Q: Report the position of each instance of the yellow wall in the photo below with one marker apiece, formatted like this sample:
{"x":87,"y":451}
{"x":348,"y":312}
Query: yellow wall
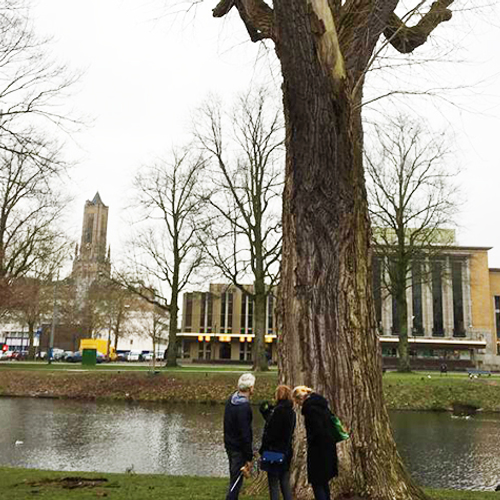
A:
{"x":480,"y":292}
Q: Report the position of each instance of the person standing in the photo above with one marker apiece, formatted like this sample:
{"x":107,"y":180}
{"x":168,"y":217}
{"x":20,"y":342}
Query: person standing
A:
{"x":321,"y":445}
{"x":238,"y":434}
{"x":278,"y":437}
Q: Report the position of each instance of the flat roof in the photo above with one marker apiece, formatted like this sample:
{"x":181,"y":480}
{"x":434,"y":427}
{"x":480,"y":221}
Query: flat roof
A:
{"x":458,"y":342}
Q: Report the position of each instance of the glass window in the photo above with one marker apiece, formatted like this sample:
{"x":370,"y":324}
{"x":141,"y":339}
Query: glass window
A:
{"x":497,"y":314}
{"x":188,"y":312}
{"x":458,"y":303}
{"x":437,"y":299}
{"x":377,"y":290}
{"x":270,"y":309}
{"x":416,"y":277}
{"x":225,"y":350}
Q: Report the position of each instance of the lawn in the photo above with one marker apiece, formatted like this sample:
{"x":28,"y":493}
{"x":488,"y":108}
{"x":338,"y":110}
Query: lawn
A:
{"x":212,"y":384}
{"x":24,"y":484}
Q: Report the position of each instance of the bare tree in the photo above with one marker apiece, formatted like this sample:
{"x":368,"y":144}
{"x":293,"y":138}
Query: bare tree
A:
{"x":329,"y":337}
{"x":412,"y":201}
{"x":243,"y":237}
{"x":31,"y":209}
{"x":32,"y":301}
{"x":32,"y":294}
{"x":152,"y":321}
{"x":166,"y":251}
{"x":32,"y":86}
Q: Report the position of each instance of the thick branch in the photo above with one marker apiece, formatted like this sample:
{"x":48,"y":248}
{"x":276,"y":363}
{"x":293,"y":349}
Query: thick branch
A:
{"x":406,"y":39}
{"x":256,"y":14}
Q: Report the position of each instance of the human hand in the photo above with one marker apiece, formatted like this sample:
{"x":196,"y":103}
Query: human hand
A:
{"x":247,"y":469}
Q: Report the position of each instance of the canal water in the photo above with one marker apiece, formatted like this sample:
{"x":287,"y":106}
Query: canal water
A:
{"x":440,"y":451}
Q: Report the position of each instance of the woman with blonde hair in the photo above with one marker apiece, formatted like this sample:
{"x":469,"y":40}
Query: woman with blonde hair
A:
{"x":321,"y":444}
{"x":277,"y":438}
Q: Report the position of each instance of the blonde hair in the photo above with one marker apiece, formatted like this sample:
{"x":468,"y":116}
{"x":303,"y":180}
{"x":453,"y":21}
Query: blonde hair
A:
{"x":283,"y":392}
{"x":301,"y":392}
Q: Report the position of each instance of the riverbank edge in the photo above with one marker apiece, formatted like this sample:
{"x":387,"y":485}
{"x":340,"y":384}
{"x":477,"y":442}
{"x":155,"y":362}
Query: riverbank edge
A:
{"x":23,"y":484}
{"x":408,"y":392}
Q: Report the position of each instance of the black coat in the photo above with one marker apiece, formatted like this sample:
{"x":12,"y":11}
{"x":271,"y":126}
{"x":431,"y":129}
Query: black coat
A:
{"x":278,"y":431}
{"x":238,"y":426}
{"x":321,"y":446}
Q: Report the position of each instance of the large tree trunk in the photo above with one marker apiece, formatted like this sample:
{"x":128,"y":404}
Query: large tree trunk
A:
{"x":31,"y":338}
{"x":259,"y":351}
{"x":172,"y":333}
{"x":402,"y":305}
{"x":329,"y":338}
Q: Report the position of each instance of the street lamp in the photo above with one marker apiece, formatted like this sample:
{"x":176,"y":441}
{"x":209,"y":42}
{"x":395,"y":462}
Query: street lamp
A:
{"x":53,"y":325}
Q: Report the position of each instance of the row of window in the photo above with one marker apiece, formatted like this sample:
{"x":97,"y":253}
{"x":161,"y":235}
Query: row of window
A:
{"x":226,"y":313}
{"x":435,"y":279}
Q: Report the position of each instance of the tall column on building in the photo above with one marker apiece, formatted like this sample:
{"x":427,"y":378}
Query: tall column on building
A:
{"x":386,"y":303}
{"x":92,"y":259}
{"x":447,"y":299}
{"x":427,"y":310}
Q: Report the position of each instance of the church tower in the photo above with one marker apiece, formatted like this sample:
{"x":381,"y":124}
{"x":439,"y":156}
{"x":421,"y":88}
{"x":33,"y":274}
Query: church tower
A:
{"x":91,"y":259}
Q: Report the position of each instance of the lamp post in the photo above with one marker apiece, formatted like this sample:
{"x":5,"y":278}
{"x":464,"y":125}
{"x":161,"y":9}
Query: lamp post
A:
{"x":53,"y":325}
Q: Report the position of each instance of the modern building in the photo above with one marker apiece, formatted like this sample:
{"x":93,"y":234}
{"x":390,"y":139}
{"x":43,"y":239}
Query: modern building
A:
{"x":218,"y":325}
{"x":453,"y":316}
{"x":450,"y":311}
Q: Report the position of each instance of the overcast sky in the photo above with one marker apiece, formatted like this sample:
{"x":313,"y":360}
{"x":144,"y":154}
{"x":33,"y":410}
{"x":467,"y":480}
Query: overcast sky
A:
{"x":146,"y":70}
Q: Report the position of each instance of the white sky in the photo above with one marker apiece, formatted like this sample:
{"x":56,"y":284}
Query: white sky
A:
{"x":145,"y":76}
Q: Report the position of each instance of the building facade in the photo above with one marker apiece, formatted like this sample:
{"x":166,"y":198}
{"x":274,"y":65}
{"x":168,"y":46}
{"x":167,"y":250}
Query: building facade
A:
{"x":218,"y":325}
{"x":453,"y":316}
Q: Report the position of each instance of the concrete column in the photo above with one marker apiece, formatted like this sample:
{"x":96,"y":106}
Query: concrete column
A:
{"x":409,"y":302}
{"x":386,"y":303}
{"x":447,"y":299}
{"x":427,"y":312}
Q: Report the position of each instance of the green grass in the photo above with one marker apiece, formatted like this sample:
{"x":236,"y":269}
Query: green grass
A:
{"x":26,"y":484}
{"x":432,"y":391}
{"x":43,"y":365}
{"x":212,"y":384}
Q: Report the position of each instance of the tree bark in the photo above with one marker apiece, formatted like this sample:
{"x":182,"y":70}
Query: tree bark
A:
{"x":400,"y":292}
{"x":259,"y":351}
{"x":31,"y":338}
{"x":172,"y":332}
{"x":329,"y":339}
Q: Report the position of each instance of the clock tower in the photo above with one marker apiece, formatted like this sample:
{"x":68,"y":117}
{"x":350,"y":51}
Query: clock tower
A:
{"x":92,"y":259}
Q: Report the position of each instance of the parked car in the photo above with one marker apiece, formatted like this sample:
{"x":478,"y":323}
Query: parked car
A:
{"x":5,"y":355}
{"x":67,"y":354}
{"x":74,"y":357}
{"x":134,"y":356}
{"x":121,"y":356}
{"x":20,"y":355}
{"x":57,"y":354}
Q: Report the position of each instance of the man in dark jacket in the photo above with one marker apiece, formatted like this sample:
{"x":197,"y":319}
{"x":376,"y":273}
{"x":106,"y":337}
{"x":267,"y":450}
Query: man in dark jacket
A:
{"x":238,"y":434}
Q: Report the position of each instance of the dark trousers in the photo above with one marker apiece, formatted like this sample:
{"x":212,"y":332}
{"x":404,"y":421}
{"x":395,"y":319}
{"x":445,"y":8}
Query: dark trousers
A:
{"x":236,"y":462}
{"x":277,"y":482}
{"x":321,"y":491}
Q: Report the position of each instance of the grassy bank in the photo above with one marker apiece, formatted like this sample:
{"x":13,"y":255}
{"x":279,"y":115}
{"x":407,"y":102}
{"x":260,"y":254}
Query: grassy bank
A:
{"x":24,"y":484}
{"x":416,"y":391}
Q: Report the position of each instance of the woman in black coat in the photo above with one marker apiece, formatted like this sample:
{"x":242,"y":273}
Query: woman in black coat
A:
{"x":278,"y":436}
{"x":321,"y":445}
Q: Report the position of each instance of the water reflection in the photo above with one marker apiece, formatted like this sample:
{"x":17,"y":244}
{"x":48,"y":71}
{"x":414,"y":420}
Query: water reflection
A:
{"x":443,"y":451}
{"x":439,"y":450}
